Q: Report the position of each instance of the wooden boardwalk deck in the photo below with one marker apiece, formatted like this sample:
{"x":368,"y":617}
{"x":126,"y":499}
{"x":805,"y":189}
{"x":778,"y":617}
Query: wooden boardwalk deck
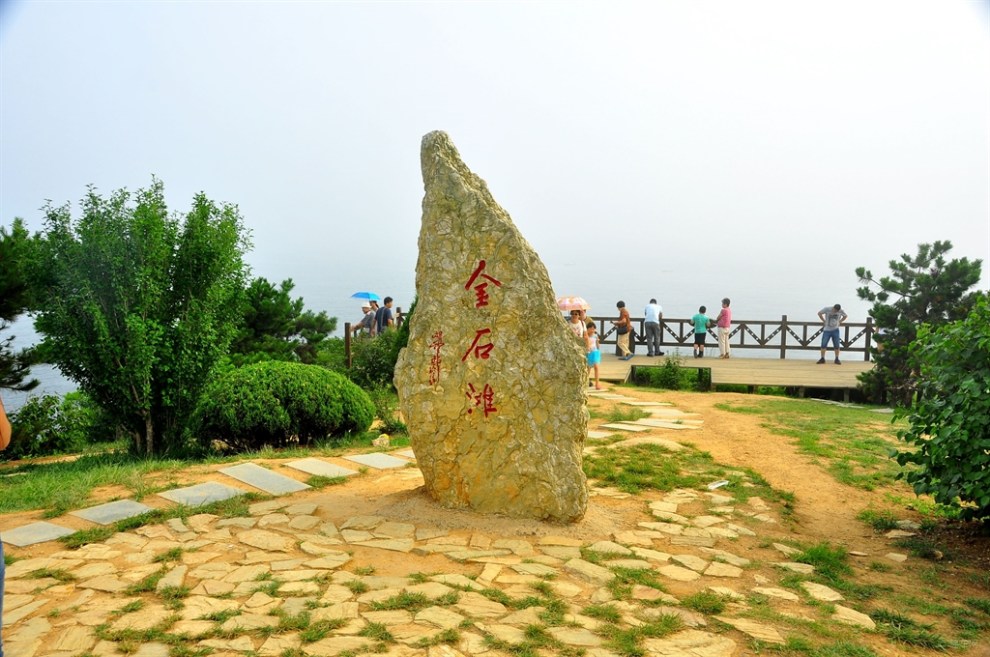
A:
{"x":793,"y":373}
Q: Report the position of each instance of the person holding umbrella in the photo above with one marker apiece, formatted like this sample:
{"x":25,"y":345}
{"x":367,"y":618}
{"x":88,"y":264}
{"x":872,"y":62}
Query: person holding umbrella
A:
{"x":367,"y":321}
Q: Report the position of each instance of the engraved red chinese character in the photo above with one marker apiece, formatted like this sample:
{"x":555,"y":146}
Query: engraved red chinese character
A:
{"x":485,"y":398}
{"x":436,"y":342}
{"x":481,"y":289}
{"x":480,"y":350}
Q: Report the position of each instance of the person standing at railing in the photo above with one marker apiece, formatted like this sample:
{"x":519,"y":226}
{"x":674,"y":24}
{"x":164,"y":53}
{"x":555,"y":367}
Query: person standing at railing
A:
{"x":702,"y":323}
{"x":833,"y":318}
{"x":652,"y":316}
{"x":622,"y":329}
{"x":724,"y":322}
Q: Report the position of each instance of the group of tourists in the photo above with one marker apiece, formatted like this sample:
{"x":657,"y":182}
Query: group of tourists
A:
{"x":831,"y":316}
{"x":376,"y":319}
{"x":653,"y":314}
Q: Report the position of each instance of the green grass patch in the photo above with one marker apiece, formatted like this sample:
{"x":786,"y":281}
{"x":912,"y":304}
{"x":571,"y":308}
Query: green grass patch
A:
{"x":321,"y":629}
{"x":902,"y":629}
{"x":56,"y":574}
{"x":175,"y":554}
{"x":409,"y":601}
{"x":630,"y":414}
{"x":980,"y":604}
{"x":706,"y":602}
{"x":851,"y":444}
{"x":640,"y":467}
{"x":61,"y":486}
{"x":829,"y":562}
{"x":605,"y":612}
{"x":629,"y":641}
{"x":881,"y":521}
{"x":378,"y":632}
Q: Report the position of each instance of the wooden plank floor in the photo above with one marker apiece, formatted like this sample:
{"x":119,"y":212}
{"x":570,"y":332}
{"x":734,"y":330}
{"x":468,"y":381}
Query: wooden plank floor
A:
{"x":751,"y":371}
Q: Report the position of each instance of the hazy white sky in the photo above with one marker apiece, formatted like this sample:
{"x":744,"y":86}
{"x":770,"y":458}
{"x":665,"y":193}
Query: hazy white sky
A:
{"x":683,"y":150}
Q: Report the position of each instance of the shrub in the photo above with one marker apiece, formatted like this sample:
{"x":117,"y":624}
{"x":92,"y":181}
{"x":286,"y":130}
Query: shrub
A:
{"x":672,"y":375}
{"x":48,"y":425}
{"x":276,"y":403}
{"x":950,"y":420}
{"x":386,"y":408}
{"x":373,"y":361}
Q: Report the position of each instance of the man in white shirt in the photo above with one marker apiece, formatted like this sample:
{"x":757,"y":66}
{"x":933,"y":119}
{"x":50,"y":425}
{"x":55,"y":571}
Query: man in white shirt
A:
{"x":652,"y":315}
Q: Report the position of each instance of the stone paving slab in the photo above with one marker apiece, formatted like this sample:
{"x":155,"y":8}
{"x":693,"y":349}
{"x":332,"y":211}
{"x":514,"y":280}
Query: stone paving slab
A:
{"x":664,"y":424}
{"x":625,"y":427}
{"x":611,"y":397}
{"x":321,"y":468}
{"x":598,"y":435}
{"x":111,"y":512}
{"x":264,"y":479}
{"x":36,"y":532}
{"x":201,"y":494}
{"x":378,"y":460}
{"x":409,"y":454}
{"x":646,"y":403}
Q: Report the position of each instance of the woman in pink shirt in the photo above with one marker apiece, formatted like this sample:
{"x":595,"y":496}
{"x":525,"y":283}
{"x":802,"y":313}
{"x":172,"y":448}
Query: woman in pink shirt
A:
{"x":723,"y":321}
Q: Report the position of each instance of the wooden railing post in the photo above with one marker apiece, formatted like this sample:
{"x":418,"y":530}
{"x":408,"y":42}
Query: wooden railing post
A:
{"x":783,"y":337}
{"x":347,"y":344}
{"x":869,"y":336}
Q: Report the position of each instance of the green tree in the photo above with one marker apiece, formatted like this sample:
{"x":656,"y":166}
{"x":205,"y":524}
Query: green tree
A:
{"x":15,"y":367}
{"x":275,"y":326}
{"x":922,"y":289}
{"x":137,"y":306}
{"x":950,"y":423}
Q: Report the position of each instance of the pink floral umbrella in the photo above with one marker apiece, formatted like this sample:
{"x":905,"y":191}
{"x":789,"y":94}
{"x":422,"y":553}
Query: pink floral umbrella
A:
{"x":573,"y":303}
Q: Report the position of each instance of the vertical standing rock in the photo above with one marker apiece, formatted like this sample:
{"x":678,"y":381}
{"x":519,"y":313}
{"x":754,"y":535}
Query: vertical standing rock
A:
{"x":492,"y":381}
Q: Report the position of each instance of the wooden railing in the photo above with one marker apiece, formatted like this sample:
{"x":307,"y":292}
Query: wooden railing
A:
{"x":781,"y":335}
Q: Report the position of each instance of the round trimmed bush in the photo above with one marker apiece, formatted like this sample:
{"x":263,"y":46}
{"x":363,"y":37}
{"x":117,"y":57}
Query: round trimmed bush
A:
{"x":278,"y":403}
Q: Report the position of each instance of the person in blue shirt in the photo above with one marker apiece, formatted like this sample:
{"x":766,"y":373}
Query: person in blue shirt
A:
{"x":701,"y":323}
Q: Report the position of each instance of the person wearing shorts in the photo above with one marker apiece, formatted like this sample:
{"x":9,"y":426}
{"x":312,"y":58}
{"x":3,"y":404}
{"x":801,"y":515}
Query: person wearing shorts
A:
{"x":701,"y":322}
{"x":832,"y":319}
{"x":594,"y":351}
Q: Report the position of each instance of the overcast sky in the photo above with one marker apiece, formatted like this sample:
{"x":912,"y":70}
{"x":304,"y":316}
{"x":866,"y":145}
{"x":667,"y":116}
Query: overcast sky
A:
{"x":683,"y":150}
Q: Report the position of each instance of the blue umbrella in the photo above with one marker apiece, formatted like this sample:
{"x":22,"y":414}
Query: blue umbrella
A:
{"x":370,"y":296}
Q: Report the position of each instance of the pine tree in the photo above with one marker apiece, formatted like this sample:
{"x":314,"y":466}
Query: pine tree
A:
{"x":922,"y":289}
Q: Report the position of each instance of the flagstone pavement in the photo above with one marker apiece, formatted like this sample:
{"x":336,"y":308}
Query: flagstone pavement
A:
{"x":233,"y":586}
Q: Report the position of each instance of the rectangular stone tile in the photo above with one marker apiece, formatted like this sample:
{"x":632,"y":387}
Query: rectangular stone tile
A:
{"x":645,"y":403}
{"x":111,"y":512}
{"x":598,"y":435}
{"x":621,"y":426}
{"x":321,"y":468}
{"x":378,"y":460}
{"x":409,"y":454}
{"x":665,"y":424}
{"x":201,"y":494}
{"x":264,"y":479}
{"x":36,"y":532}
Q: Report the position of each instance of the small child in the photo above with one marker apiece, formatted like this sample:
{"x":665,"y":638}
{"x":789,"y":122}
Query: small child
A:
{"x":594,"y":353}
{"x":701,"y":323}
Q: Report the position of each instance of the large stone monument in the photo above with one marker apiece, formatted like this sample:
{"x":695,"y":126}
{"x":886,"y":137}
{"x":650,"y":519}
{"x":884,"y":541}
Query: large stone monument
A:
{"x":492,"y":381}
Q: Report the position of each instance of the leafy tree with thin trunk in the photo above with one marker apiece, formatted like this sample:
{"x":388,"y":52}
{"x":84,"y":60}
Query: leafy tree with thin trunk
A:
{"x":15,"y":367}
{"x":922,"y":289}
{"x":949,"y":425}
{"x":137,"y":306}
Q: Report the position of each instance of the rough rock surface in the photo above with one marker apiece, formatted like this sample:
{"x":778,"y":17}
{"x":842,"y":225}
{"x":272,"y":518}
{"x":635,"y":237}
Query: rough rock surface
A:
{"x":492,"y":382}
